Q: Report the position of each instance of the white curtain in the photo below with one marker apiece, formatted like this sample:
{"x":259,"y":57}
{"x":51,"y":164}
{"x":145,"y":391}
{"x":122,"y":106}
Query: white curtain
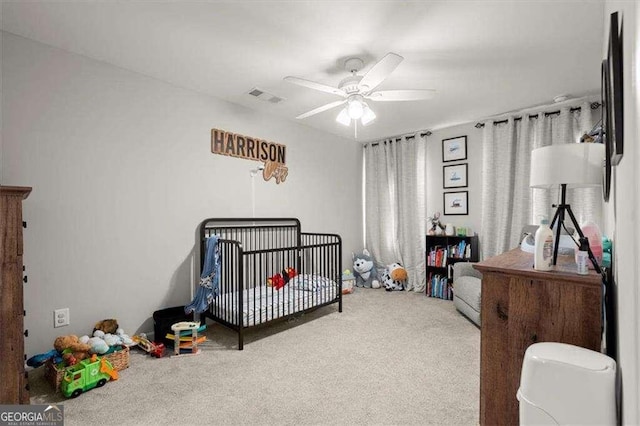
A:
{"x":507,"y":201}
{"x":395,"y":204}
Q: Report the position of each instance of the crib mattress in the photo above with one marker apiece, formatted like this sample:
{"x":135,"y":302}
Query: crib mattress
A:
{"x":263,"y":303}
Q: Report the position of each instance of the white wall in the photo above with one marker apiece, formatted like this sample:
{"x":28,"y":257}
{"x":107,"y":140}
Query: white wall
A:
{"x":622,"y":214}
{"x":434,"y":201}
{"x":122,"y":174}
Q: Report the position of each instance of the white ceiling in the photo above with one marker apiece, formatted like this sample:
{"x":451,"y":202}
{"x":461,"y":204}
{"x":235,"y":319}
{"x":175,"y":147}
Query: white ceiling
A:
{"x":482,"y":57}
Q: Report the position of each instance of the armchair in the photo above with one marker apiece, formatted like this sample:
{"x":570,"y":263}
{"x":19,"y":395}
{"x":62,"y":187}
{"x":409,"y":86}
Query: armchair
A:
{"x":466,"y":290}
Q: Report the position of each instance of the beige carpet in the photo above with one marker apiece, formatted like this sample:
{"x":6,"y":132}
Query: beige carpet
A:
{"x":388,"y":358}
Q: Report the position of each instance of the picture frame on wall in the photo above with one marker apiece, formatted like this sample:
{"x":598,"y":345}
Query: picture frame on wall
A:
{"x":455,"y":176}
{"x":604,"y":111}
{"x":456,"y":203}
{"x":614,"y":101}
{"x":454,"y":149}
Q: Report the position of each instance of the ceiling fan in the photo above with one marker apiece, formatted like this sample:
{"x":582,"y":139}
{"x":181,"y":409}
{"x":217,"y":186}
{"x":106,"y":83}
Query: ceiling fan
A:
{"x":355,"y":89}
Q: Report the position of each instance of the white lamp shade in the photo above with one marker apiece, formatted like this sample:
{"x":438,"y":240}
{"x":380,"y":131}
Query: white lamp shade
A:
{"x":343,"y":118}
{"x":355,"y":109}
{"x":573,"y":164}
{"x":368,"y":115}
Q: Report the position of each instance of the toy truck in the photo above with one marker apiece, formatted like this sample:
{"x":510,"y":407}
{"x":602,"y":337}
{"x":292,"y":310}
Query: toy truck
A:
{"x":87,"y":374}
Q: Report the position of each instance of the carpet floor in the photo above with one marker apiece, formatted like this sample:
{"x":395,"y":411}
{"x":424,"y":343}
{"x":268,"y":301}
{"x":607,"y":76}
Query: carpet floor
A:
{"x":390,"y":358}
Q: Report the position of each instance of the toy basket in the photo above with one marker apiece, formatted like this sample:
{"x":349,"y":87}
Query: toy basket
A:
{"x":118,"y":359}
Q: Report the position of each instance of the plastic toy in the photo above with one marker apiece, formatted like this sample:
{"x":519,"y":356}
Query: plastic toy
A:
{"x":87,"y":374}
{"x":154,"y":349}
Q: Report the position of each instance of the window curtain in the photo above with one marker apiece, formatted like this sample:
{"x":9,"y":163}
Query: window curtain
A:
{"x":507,"y":201}
{"x":395,"y":205}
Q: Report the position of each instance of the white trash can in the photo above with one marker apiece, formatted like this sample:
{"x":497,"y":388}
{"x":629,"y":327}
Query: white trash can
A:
{"x":563,"y":384}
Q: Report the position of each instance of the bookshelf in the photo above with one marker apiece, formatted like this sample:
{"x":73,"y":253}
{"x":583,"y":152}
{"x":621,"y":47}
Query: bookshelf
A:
{"x":442,"y":252}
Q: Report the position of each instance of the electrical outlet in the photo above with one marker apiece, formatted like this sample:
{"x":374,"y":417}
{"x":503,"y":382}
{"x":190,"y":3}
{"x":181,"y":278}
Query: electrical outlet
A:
{"x":61,"y":317}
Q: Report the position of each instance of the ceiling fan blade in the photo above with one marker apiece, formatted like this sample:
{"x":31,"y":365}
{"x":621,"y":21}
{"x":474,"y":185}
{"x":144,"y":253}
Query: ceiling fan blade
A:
{"x":380,"y":71}
{"x":320,"y":109}
{"x":401,"y":95}
{"x":316,"y":86}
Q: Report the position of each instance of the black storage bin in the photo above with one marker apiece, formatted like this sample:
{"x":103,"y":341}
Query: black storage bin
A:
{"x":164,"y":319}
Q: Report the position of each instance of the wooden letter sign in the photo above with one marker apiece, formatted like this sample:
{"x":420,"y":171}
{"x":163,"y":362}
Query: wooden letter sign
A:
{"x":273,"y":155}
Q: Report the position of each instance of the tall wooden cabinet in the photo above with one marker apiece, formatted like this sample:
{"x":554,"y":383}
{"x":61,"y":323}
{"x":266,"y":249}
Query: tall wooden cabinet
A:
{"x":521,"y":306}
{"x":14,"y":388}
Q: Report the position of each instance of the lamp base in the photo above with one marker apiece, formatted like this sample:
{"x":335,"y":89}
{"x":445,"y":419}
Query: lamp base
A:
{"x":563,"y":208}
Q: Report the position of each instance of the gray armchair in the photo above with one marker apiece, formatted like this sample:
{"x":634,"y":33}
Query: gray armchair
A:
{"x":466,"y":290}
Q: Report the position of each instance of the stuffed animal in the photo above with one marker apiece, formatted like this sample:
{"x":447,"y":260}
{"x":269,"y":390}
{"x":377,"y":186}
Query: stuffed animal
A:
{"x":108,"y":326}
{"x":436,"y":227}
{"x":394,"y":277}
{"x":365,"y":271}
{"x":71,"y":348}
{"x":280,"y":280}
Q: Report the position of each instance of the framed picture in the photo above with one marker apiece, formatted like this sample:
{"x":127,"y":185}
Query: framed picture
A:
{"x":456,"y":203}
{"x":604,"y":111}
{"x":454,"y":176}
{"x":454,"y":149}
{"x":614,"y":101}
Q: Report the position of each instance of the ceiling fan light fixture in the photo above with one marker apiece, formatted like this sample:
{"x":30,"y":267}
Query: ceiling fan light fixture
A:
{"x":343,"y":118}
{"x":355,"y":108}
{"x":368,"y":116}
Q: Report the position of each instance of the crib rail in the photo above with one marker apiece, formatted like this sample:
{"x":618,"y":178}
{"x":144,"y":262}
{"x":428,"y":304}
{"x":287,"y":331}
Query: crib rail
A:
{"x":252,"y":251}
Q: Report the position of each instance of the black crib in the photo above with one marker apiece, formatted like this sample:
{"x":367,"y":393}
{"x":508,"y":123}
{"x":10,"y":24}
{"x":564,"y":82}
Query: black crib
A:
{"x":252,"y":251}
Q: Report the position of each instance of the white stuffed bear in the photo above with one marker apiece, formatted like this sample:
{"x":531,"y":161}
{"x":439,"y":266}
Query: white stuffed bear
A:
{"x":394,"y":277}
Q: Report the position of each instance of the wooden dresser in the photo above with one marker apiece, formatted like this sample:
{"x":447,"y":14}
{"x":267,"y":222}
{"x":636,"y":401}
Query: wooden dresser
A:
{"x":14,"y":388}
{"x":521,"y":306}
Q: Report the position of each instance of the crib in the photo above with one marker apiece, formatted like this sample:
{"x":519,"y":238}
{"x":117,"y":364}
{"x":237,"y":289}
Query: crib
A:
{"x":252,"y":251}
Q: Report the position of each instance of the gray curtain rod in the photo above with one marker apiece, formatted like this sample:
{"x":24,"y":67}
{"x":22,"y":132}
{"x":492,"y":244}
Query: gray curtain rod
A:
{"x":399,"y":138}
{"x":594,"y":105}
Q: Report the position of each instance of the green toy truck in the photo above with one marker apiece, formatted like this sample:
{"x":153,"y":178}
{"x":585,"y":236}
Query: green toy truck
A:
{"x":87,"y":374}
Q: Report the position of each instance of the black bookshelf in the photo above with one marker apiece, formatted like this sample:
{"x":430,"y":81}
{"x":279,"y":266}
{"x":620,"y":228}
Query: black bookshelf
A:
{"x":442,"y":252}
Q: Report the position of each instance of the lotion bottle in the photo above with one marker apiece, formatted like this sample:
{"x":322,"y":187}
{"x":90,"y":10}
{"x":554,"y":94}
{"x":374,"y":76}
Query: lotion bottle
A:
{"x":543,"y":255}
{"x":582,"y":256}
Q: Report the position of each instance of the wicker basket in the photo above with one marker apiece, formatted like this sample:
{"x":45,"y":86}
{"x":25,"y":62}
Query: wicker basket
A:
{"x":53,"y":374}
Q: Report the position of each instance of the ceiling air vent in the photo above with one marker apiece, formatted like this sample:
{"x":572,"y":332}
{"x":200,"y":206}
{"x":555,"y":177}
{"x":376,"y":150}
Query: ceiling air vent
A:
{"x":265,"y":96}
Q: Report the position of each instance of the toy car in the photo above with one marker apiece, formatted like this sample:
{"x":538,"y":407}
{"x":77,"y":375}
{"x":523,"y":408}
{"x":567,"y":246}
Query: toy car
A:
{"x":154,"y":349}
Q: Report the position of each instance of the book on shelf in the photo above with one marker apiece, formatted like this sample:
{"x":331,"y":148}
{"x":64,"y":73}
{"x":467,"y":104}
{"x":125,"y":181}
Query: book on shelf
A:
{"x":438,"y":286}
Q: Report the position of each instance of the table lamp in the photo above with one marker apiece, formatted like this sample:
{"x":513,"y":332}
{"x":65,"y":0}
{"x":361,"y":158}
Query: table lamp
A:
{"x":573,"y":165}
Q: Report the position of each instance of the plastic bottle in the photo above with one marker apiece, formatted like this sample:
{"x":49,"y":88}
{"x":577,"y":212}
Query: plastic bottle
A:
{"x":582,"y":256}
{"x":592,"y":232}
{"x":543,"y":254}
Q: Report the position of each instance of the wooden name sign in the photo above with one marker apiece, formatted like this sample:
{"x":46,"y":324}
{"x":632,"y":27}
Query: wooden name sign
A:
{"x":273,"y":155}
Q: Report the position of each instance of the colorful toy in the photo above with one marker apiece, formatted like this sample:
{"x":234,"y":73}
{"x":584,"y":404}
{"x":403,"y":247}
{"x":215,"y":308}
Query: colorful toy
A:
{"x":87,"y":374}
{"x":280,"y":280}
{"x":348,"y":281}
{"x":39,"y":359}
{"x":154,"y":349}
{"x":187,"y":329}
{"x":394,"y":277}
{"x":364,"y":270}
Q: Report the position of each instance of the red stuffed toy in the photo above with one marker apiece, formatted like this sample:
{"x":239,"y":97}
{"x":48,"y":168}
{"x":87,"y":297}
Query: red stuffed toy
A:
{"x":280,"y":280}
